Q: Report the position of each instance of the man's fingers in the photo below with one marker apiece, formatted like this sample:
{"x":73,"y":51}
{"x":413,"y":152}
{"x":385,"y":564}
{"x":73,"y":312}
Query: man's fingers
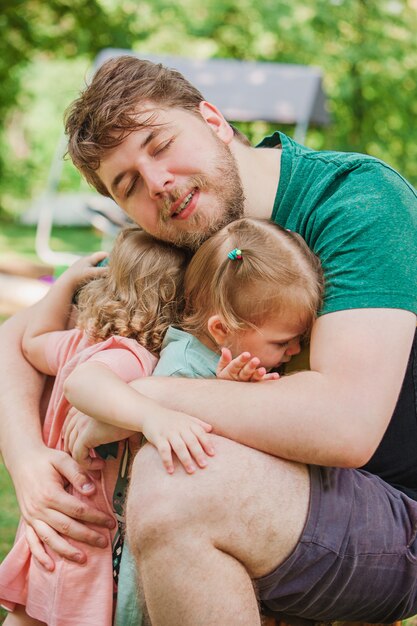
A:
{"x":73,"y":509}
{"x":49,"y":537}
{"x":96,"y":257}
{"x":37,"y":549}
{"x":80,"y":480}
{"x":77,"y":530}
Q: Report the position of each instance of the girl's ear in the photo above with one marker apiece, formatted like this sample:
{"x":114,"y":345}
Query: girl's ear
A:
{"x":215,"y":119}
{"x":218,"y":330}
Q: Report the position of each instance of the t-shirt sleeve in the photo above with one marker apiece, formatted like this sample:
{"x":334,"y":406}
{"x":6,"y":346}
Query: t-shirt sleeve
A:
{"x":122,"y":362}
{"x":367,"y":242}
{"x":59,"y":345}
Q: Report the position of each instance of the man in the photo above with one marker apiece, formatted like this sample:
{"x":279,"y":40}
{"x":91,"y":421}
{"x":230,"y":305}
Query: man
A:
{"x":279,"y":511}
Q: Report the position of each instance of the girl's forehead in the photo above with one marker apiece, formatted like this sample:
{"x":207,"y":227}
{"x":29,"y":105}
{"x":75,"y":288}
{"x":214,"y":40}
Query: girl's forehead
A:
{"x":289,"y":326}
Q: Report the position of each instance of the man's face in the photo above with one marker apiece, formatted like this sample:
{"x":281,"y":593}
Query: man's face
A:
{"x":175,"y":177}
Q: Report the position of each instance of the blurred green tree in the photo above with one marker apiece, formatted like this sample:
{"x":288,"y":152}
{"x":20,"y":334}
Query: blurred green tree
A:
{"x":366,"y":48}
{"x":56,"y":29}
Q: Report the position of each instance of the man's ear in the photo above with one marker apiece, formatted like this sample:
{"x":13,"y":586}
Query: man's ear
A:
{"x":216,"y":121}
{"x":218,"y":330}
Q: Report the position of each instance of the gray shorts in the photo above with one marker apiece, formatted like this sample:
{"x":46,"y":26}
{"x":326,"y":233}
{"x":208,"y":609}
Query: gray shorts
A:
{"x":357,"y":557}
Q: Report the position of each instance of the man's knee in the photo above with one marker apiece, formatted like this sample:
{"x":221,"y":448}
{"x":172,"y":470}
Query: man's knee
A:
{"x":153,"y":508}
{"x":240,"y":489}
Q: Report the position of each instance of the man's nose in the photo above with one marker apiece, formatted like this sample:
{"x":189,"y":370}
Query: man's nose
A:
{"x":158,"y":179}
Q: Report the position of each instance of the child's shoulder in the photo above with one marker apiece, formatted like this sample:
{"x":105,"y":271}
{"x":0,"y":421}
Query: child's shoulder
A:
{"x":184,"y":355}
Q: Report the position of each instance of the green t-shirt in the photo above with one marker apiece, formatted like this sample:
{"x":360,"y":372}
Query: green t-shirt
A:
{"x":359,"y":216}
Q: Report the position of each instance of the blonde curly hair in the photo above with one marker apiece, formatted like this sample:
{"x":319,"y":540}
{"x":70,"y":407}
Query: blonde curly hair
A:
{"x":141,"y":295}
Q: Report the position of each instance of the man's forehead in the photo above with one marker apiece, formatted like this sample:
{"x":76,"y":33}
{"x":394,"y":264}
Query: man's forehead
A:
{"x":150,"y":114}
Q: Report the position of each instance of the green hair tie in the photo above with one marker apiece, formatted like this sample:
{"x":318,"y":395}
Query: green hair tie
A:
{"x":235,"y":255}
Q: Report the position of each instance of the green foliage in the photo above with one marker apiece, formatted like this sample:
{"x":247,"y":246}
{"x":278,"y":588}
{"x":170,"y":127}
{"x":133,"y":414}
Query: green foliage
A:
{"x":367,"y":50}
{"x":48,"y":29}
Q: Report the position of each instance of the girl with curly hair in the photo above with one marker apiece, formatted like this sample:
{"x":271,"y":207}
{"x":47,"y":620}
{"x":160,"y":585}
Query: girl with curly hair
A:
{"x":123,"y":313}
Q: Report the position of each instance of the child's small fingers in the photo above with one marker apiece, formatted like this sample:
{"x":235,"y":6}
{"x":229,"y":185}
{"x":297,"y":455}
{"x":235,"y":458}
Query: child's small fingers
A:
{"x":72,"y":440}
{"x":93,"y":463}
{"x":258,"y":375}
{"x":207,"y":427}
{"x":195,"y":448}
{"x":205,"y":440}
{"x":80,"y":453}
{"x":165,"y":453}
{"x":225,"y":357}
{"x":70,"y":435}
{"x":271,"y":376}
{"x":234,"y":369}
{"x":181,"y":450}
{"x":248,"y":370}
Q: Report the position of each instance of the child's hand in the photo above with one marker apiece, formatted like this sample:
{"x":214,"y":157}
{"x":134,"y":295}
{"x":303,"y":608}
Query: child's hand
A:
{"x":84,"y":270}
{"x":187,"y":436}
{"x":243,"y":368}
{"x":82,"y":433}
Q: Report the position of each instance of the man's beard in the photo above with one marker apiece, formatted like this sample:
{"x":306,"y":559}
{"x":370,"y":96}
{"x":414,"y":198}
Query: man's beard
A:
{"x":224,"y":185}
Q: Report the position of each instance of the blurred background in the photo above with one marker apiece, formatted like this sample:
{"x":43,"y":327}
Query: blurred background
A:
{"x":366,"y":50}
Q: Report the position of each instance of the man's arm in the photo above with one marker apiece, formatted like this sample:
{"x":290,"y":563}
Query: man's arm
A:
{"x":53,"y":311}
{"x":334,"y":415}
{"x":39,"y":474}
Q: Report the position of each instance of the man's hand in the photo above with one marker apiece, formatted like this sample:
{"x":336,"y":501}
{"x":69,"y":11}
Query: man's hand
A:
{"x":83,"y":433}
{"x":243,"y":368}
{"x":84,"y":270}
{"x":52,"y":515}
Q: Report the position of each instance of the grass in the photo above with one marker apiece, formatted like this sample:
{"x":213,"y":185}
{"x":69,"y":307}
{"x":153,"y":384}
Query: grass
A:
{"x":18,"y":240}
{"x":9,"y":512}
{"x":8,"y":518}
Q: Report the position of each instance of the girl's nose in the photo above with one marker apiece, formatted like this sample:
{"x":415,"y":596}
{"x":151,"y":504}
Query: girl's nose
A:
{"x":293,"y":348}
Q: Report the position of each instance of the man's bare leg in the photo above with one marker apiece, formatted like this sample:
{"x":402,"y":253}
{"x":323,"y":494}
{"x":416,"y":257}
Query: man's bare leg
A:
{"x":201,"y":539}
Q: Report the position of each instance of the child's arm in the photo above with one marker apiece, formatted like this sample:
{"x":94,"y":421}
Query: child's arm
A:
{"x":52,"y":311}
{"x":94,"y":389}
{"x":244,"y":368}
{"x":82,"y":433}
